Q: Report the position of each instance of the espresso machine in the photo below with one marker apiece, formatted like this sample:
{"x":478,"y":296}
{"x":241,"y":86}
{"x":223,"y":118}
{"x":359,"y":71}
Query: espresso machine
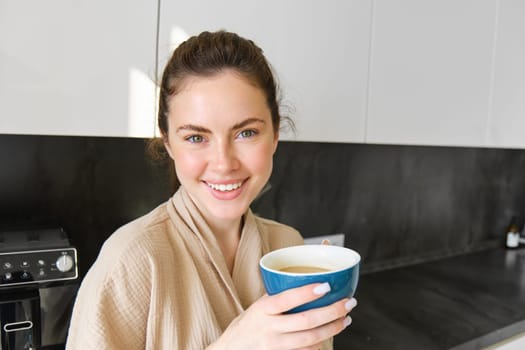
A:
{"x":38,"y":286}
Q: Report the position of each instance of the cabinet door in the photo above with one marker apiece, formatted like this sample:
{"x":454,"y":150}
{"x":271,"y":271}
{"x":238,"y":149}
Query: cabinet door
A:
{"x":507,"y":120}
{"x":77,"y":67}
{"x":430,"y":72}
{"x":319,"y":50}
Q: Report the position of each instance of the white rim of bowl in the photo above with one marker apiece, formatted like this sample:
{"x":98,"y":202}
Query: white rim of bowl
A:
{"x":358,"y":256}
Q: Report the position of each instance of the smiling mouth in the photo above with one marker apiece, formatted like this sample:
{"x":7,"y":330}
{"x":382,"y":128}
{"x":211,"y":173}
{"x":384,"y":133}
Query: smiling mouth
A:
{"x":224,"y":187}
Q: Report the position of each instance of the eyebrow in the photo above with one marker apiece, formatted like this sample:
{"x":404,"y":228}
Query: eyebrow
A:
{"x":197,"y":128}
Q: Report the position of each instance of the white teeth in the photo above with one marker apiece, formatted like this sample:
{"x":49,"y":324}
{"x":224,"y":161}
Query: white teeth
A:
{"x":225,"y":188}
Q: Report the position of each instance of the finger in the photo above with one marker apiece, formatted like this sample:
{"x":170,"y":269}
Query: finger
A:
{"x":291,"y":298}
{"x":313,"y":347}
{"x":306,"y":339}
{"x":316,"y":317}
{"x":326,"y":242}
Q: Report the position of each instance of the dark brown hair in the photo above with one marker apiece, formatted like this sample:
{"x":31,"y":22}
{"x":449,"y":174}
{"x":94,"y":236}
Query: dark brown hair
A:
{"x":210,"y":53}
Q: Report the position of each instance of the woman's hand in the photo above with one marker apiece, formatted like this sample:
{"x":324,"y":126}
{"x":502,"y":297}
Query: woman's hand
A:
{"x":264,"y":326}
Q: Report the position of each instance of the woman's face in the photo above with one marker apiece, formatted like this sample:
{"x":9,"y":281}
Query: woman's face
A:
{"x":222,"y":141}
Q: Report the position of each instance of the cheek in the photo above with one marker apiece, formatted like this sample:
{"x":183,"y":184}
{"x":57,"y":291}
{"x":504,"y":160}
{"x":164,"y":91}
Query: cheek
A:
{"x":187,"y":164}
{"x":262,"y":160}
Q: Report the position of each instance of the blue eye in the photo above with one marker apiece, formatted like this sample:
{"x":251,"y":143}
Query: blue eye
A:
{"x":195,"y":138}
{"x":247,"y":133}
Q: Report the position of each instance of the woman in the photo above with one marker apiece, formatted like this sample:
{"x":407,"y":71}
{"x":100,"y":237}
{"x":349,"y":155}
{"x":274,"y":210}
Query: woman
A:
{"x":185,"y":276}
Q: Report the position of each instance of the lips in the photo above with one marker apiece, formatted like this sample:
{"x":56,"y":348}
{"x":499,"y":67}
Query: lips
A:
{"x":222,"y":187}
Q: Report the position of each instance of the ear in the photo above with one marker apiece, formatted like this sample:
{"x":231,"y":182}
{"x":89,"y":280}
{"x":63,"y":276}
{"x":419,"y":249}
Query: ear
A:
{"x":167,"y":146}
{"x":275,"y":141}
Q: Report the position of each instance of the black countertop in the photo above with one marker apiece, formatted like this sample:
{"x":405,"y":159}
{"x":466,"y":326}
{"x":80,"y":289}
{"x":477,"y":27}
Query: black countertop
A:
{"x":465,"y":302}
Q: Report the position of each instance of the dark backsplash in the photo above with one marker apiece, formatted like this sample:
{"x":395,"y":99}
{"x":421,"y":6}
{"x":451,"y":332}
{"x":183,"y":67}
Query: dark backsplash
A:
{"x":89,"y":186}
{"x":396,"y":204}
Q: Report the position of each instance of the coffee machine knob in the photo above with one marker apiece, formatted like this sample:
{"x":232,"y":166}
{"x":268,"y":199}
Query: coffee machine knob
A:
{"x":64,"y":263}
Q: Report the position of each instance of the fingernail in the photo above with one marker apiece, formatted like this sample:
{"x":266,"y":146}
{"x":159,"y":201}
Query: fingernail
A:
{"x":322,"y":288}
{"x":347,"y":321}
{"x":350,"y":304}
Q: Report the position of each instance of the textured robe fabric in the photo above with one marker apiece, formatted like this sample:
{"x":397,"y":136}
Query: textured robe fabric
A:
{"x":161,"y":281}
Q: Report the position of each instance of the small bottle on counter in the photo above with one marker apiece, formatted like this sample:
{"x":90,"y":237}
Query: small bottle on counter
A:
{"x":513,"y":236}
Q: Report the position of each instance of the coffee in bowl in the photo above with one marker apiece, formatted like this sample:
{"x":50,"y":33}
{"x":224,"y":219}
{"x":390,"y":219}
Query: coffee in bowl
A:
{"x":297,"y":266}
{"x":303,"y":269}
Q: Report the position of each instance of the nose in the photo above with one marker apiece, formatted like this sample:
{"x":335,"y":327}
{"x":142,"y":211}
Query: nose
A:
{"x":225,"y":158}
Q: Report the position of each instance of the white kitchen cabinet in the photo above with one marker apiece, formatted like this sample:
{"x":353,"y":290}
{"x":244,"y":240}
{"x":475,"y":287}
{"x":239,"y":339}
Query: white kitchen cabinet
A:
{"x":319,"y":50}
{"x":507,"y":118}
{"x":430,"y":72}
{"x":77,"y":67}
{"x":446,"y":73}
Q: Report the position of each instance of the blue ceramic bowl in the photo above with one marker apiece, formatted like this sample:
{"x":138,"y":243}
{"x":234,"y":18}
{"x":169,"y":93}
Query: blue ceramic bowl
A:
{"x":343,"y":276}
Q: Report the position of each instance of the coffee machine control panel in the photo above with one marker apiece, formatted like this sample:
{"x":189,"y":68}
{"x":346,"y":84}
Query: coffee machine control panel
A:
{"x":39,"y":266}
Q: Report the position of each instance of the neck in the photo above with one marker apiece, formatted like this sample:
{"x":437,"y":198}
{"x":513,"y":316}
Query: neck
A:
{"x":228,"y":235}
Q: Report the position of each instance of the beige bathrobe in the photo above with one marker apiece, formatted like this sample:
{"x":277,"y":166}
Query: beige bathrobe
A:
{"x":161,"y":282}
